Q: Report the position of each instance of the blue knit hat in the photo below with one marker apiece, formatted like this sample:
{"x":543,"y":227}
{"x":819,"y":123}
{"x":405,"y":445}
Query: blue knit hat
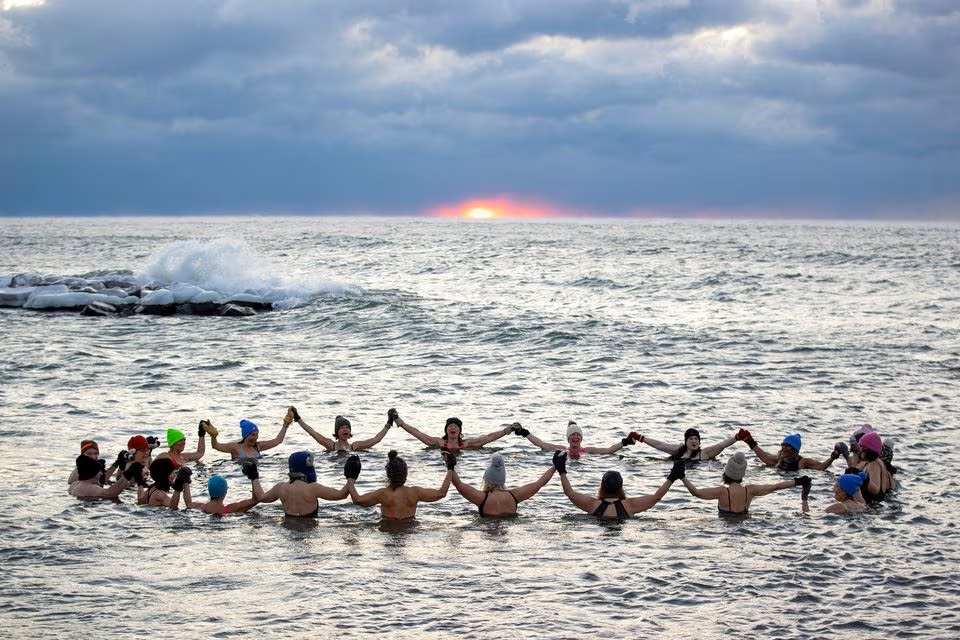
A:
{"x":216,"y":487}
{"x":246,"y":428}
{"x":301,"y":467}
{"x":850,"y":483}
{"x":793,"y":440}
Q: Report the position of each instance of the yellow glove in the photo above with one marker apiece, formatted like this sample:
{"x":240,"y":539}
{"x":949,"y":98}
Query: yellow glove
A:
{"x":287,"y":419}
{"x":210,"y":429}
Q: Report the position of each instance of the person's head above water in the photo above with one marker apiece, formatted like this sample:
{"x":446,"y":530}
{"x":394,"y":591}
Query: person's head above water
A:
{"x":341,"y":424}
{"x":87,"y":467}
{"x":176,"y":438}
{"x":160,"y":470}
{"x":574,"y":433}
{"x":301,"y":467}
{"x":248,"y":432}
{"x":792,"y":441}
{"x":735,"y":468}
{"x":396,"y":469}
{"x":216,"y":487}
{"x":453,"y":428}
{"x":90,"y":449}
{"x":850,"y":483}
{"x":691,"y":438}
{"x":495,"y":477}
{"x":871,"y":443}
{"x":611,"y":486}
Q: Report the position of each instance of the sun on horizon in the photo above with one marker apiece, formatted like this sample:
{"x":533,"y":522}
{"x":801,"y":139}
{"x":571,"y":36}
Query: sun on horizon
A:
{"x":497,"y":208}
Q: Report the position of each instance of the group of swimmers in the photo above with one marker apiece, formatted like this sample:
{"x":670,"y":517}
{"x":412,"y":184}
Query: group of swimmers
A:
{"x":869,"y":475}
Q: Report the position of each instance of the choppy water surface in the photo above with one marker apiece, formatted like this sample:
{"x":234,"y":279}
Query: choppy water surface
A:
{"x":647,"y":326}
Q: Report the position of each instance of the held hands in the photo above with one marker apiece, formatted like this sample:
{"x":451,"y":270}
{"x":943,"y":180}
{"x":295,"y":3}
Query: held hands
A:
{"x":744,"y":435}
{"x":519,"y":430}
{"x":841,"y":449}
{"x":122,"y":458}
{"x":183,"y":477}
{"x":803,"y":481}
{"x":209,"y":429}
{"x":392,"y":417}
{"x":560,"y":462}
{"x":293,"y":413}
{"x":250,"y":469}
{"x":678,"y":472}
{"x":134,"y":472}
{"x":632,"y":438}
{"x":351,"y":468}
{"x":449,"y":459}
{"x":153,"y":441}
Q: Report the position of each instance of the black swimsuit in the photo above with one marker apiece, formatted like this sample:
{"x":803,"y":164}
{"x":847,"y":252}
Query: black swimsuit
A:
{"x":313,"y":514}
{"x":789,"y":465}
{"x":728,"y":512}
{"x":617,"y":504}
{"x":487,"y":495}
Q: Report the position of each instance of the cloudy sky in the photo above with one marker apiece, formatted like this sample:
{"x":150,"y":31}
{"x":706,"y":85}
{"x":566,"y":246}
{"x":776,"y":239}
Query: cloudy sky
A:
{"x":780,"y":108}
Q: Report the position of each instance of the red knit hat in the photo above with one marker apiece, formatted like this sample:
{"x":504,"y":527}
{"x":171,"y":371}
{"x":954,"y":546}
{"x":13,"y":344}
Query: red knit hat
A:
{"x":137,"y":442}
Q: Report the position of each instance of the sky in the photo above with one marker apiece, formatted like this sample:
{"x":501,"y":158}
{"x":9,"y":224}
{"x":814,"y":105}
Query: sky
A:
{"x":666,"y":108}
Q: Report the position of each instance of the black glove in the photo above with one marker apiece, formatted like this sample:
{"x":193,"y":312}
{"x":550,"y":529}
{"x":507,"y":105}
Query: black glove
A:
{"x":249,"y":468}
{"x":678,"y":472}
{"x":560,"y":461}
{"x":122,"y":458}
{"x":153,"y":441}
{"x":449,"y":459}
{"x":134,"y":472}
{"x":200,"y":431}
{"x":183,"y":477}
{"x":519,"y":430}
{"x":627,"y":441}
{"x":803,"y":481}
{"x":842,"y":449}
{"x":351,"y":468}
{"x":392,"y":416}
{"x":296,"y":415}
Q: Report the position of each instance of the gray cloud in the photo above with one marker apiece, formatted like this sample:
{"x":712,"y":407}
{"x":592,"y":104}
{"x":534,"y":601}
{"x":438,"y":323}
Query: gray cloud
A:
{"x":676,"y":105}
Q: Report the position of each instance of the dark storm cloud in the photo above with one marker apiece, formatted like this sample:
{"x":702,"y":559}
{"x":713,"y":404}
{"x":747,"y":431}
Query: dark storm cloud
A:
{"x":296,"y":106}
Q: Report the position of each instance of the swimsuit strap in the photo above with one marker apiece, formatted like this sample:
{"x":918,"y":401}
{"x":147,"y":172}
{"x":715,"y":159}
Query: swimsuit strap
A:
{"x":515,"y":501}
{"x":486,"y":494}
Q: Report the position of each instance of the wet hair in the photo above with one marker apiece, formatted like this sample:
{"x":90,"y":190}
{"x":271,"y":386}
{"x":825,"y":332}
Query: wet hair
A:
{"x":678,"y":455}
{"x":459,"y":423}
{"x":160,"y":470}
{"x":396,"y":470}
{"x":728,"y":480}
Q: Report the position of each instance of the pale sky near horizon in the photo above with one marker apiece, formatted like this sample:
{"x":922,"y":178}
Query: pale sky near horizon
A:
{"x":720,"y":108}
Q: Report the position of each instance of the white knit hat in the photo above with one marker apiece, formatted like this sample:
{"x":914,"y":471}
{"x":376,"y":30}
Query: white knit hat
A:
{"x":572,"y":428}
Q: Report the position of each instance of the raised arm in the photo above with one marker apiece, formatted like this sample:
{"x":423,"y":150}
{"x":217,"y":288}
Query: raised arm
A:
{"x":193,"y":456}
{"x":530,"y":489}
{"x":546,"y":446}
{"x":114,"y":490}
{"x":766,"y":458}
{"x":369,"y":442}
{"x":430,"y":441}
{"x":367,"y":499}
{"x":809,"y":463}
{"x":711,"y":452}
{"x":660,"y":446}
{"x":763,"y":489}
{"x":329,"y":493}
{"x":473,"y":443}
{"x":322,"y":440}
{"x":270,"y":444}
{"x":610,"y":449}
{"x":642,"y":503}
{"x":233,"y":448}
{"x":704,"y":494}
{"x":581,"y":500}
{"x":470,"y":493}
{"x":267,"y":496}
{"x":432,"y":495}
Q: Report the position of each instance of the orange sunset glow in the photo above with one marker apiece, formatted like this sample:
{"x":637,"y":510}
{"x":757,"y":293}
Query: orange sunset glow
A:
{"x":490,"y":209}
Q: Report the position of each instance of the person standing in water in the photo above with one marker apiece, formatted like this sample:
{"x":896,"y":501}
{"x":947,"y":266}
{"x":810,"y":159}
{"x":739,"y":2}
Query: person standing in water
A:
{"x":301,"y":496}
{"x":690,"y":450}
{"x":611,"y":503}
{"x":452,"y":439}
{"x":495,"y":500}
{"x":217,"y":490}
{"x":734,"y":498}
{"x":845,"y":491}
{"x":398,"y":501}
{"x":249,"y":445}
{"x":177,"y":442}
{"x":574,"y":446}
{"x":342,"y":432}
{"x":879,"y":480}
{"x":87,"y":485}
{"x":788,"y":458}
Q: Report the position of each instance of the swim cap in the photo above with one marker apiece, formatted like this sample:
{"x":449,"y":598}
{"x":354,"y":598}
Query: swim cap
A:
{"x":138,"y":442}
{"x":174,"y":436}
{"x":860,"y":431}
{"x":612,"y":483}
{"x":338,"y":422}
{"x":160,"y":470}
{"x":572,"y":428}
{"x":246,"y":428}
{"x":870,"y":441}
{"x":850,"y":483}
{"x":690,"y":432}
{"x":450,"y":421}
{"x":396,"y":468}
{"x":87,"y":467}
{"x":736,"y":466}
{"x":793,"y":440}
{"x":496,"y":473}
{"x":216,"y":486}
{"x":301,"y":467}
{"x":86,"y":444}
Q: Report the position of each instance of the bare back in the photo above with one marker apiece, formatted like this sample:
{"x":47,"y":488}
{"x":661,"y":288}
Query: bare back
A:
{"x":399,"y":503}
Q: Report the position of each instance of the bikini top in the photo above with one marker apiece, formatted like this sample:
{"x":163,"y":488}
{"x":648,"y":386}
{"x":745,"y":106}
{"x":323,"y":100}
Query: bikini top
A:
{"x":617,"y":504}
{"x":487,"y":495}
